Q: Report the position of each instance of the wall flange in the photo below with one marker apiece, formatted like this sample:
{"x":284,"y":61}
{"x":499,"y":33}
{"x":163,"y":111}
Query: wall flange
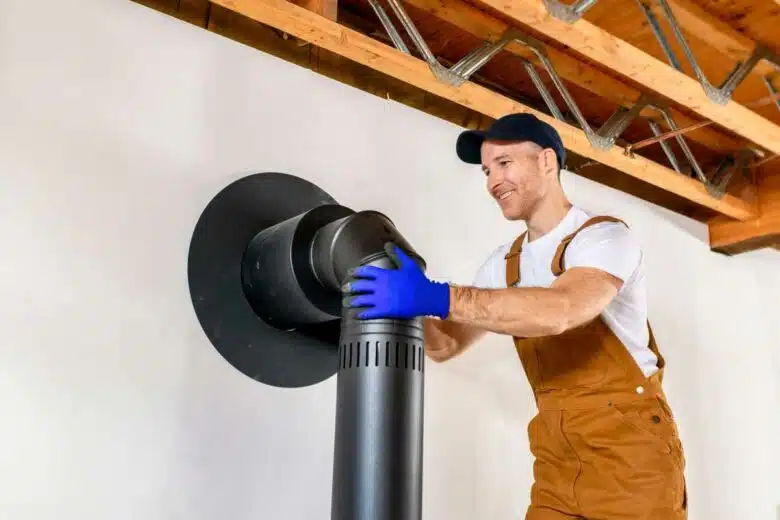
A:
{"x":266,"y":353}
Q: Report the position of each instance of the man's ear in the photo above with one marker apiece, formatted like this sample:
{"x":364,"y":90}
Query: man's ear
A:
{"x":547,"y":161}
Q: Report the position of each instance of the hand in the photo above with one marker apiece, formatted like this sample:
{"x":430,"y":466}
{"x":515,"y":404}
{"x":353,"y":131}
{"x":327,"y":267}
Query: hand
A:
{"x":402,"y":293}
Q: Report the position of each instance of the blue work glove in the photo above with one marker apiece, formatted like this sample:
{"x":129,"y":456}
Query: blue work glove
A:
{"x":402,"y":293}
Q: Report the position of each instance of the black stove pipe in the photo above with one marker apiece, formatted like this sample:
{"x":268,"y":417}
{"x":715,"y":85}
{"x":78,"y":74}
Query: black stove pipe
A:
{"x":377,"y":459}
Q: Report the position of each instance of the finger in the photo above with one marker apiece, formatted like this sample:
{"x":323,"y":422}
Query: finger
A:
{"x":391,"y":251}
{"x":367,"y":271}
{"x":403,"y":257}
{"x":364,"y":300}
{"x":397,"y":255}
{"x":360,"y":285}
{"x":371,"y":314}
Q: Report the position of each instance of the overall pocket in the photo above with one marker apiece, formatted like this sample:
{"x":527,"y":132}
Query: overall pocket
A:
{"x":653,"y":421}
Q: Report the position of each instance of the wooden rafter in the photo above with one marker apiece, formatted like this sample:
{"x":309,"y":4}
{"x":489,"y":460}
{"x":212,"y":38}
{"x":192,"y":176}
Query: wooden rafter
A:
{"x":326,"y":8}
{"x":718,"y":34}
{"x":730,"y":237}
{"x":327,"y":34}
{"x":489,"y":28}
{"x":618,"y":55}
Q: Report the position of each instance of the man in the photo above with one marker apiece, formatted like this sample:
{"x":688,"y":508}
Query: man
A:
{"x":571,"y":293}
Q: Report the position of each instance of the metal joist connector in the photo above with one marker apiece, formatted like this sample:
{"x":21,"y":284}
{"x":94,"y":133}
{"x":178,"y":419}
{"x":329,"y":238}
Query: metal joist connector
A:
{"x":392,"y":32}
{"x":716,"y":185}
{"x":656,"y":129}
{"x":479,"y":57}
{"x":458,"y":73}
{"x":552,"y":106}
{"x":665,"y":112}
{"x":659,"y":34}
{"x":605,"y":137}
{"x":621,"y":119}
{"x":740,"y":162}
{"x":720,"y":95}
{"x":568,"y":13}
{"x":772,"y":90}
{"x":600,"y":142}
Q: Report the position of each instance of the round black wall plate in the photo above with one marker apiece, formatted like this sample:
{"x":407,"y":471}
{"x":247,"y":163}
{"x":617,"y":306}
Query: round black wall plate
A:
{"x":281,"y":358}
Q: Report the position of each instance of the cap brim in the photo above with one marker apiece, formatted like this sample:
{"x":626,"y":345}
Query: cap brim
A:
{"x":469,"y":146}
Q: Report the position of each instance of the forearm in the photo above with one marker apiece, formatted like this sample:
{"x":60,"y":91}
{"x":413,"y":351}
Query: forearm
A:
{"x":576,"y":297}
{"x":522,"y":312}
{"x":435,"y":336}
{"x":445,"y":339}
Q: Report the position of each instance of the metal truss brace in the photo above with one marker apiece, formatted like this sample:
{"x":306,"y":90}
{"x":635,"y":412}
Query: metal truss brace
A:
{"x":605,"y":137}
{"x":542,"y":88}
{"x":458,"y":73}
{"x":716,"y":187}
{"x":395,"y":37}
{"x":772,"y":90}
{"x":730,"y":165}
{"x":568,"y":13}
{"x":659,"y":34}
{"x":656,"y":129}
{"x":722,"y":94}
{"x":717,"y":183}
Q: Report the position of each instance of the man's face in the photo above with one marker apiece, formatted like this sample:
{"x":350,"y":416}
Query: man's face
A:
{"x":517,"y":175}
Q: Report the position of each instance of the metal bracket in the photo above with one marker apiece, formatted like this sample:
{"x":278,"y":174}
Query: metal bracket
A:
{"x":605,"y":137}
{"x":772,"y":90}
{"x":568,"y":13}
{"x":395,"y":36}
{"x":458,"y":73}
{"x":601,"y":141}
{"x":729,"y":166}
{"x":716,"y":186}
{"x":542,"y":88}
{"x":720,"y":95}
{"x":656,"y":129}
{"x":667,"y":115}
{"x":659,"y":34}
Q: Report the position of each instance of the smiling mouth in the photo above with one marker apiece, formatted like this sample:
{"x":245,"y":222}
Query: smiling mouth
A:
{"x":505,"y":195}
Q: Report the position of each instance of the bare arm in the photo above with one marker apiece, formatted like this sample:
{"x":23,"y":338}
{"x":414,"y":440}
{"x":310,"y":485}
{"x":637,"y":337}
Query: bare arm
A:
{"x":445,"y":339}
{"x":576,"y":297}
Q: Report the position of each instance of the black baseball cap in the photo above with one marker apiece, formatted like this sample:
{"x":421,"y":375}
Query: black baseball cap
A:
{"x":512,"y":127}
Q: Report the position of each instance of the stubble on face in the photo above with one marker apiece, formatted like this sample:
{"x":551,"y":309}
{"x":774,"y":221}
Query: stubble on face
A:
{"x":513,"y":176}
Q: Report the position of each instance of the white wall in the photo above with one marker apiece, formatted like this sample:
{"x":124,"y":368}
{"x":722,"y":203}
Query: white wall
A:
{"x":120,"y":124}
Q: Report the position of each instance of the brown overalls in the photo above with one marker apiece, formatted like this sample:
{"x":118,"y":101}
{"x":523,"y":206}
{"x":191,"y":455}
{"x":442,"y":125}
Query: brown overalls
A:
{"x":604,"y":440}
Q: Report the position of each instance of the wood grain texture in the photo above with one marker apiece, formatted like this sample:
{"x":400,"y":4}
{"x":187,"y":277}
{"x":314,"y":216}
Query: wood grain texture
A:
{"x":467,"y":18}
{"x":731,"y":237}
{"x":595,"y":43}
{"x":721,"y":36}
{"x":336,"y":38}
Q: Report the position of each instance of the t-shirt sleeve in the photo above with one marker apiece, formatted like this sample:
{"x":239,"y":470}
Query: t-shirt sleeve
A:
{"x":487,"y":276}
{"x":610,"y":246}
{"x":482,"y":278}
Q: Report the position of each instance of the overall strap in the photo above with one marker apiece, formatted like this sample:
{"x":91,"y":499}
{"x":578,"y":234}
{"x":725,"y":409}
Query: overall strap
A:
{"x":653,"y":345}
{"x":557,"y":266}
{"x":513,"y":261}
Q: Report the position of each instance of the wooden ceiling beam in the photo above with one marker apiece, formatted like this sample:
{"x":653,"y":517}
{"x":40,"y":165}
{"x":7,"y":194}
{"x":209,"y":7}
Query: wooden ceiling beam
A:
{"x":480,"y":24}
{"x":731,"y":237}
{"x":623,"y":58}
{"x":327,"y":8}
{"x":715,"y":32}
{"x":334,"y":37}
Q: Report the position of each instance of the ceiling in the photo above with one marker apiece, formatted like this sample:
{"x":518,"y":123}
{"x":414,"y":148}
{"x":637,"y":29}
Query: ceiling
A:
{"x":605,"y":60}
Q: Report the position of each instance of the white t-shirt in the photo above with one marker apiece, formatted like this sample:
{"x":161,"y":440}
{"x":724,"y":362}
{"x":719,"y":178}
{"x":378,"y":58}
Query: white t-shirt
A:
{"x":609,"y":246}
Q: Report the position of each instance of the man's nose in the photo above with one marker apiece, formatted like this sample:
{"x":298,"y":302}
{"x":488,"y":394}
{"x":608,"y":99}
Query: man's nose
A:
{"x":493,"y":181}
